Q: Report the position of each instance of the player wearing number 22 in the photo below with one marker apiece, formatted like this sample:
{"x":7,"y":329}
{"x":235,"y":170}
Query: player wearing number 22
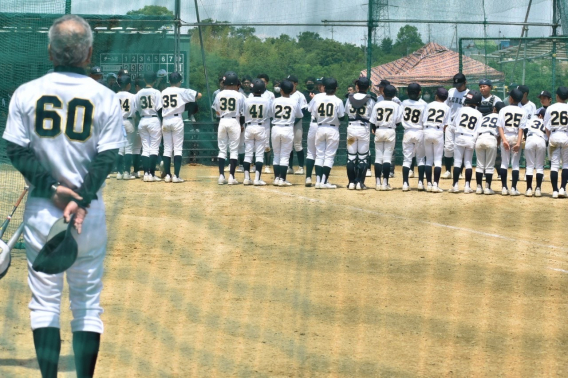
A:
{"x":556,"y":123}
{"x":436,"y":116}
{"x":64,"y":131}
{"x":174,"y":100}
{"x":413,"y":139}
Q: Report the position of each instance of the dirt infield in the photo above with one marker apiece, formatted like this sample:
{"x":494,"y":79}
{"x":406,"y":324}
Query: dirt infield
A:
{"x":205,"y":280}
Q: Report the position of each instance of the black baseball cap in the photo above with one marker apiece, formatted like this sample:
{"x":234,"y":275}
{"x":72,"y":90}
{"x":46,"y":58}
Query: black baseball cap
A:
{"x":320,"y":81}
{"x":516,"y":95}
{"x":485,"y":82}
{"x":257,"y":86}
{"x":542,"y":112}
{"x":96,"y":70}
{"x":389,"y":91}
{"x":562,"y":92}
{"x":124,"y":80}
{"x":175,"y":77}
{"x":287,"y":86}
{"x":292,"y":78}
{"x":459,"y":79}
{"x":414,"y":88}
{"x":472,"y":98}
{"x":383,"y":83}
{"x":523,"y":88}
{"x":442,"y":93}
{"x":330,"y":84}
{"x":123,"y":71}
{"x":499,"y":105}
{"x":230,"y":78}
{"x":363,"y":82}
{"x":311,"y":78}
{"x":544,"y":94}
{"x":150,"y":77}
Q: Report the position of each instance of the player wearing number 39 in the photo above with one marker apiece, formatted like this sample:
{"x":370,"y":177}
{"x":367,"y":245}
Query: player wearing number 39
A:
{"x":556,"y":123}
{"x":174,"y":100}
{"x":64,"y":131}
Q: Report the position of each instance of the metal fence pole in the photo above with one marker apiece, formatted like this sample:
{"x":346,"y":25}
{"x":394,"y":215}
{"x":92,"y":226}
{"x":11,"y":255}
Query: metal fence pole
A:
{"x":203,"y":58}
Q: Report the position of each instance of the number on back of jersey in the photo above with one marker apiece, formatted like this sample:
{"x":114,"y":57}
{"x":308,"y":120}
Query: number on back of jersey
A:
{"x":282,"y":112}
{"x":384,"y":114}
{"x":257,"y":111}
{"x":125,"y":105}
{"x":537,"y":124}
{"x":170,"y":100}
{"x":412,"y":115}
{"x":229,"y":104}
{"x":359,"y":111}
{"x":513,"y":119}
{"x":468,"y":121}
{"x":559,"y":118}
{"x":146,"y":102}
{"x":490,"y":122}
{"x":79,"y":118}
{"x":436,"y":115}
{"x":326,"y":109}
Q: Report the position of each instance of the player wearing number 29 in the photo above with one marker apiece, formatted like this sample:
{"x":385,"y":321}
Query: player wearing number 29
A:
{"x":64,"y":131}
{"x":556,"y":123}
{"x":148,"y":104}
{"x":413,"y":140}
{"x":174,"y":100}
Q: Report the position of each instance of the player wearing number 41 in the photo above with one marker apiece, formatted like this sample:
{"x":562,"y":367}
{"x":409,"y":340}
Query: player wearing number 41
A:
{"x":148,"y":105}
{"x":556,"y":123}
{"x":413,"y":139}
{"x":511,"y":123}
{"x":174,"y":100}
{"x":435,"y":118}
{"x":535,"y":152}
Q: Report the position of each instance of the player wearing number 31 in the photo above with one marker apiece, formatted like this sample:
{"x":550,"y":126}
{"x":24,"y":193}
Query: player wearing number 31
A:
{"x":556,"y":123}
{"x":174,"y":100}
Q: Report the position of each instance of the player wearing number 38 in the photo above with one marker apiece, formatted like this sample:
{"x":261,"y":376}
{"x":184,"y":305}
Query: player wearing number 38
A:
{"x":64,"y":131}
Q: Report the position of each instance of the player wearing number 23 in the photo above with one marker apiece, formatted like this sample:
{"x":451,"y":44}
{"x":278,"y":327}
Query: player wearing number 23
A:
{"x":556,"y":123}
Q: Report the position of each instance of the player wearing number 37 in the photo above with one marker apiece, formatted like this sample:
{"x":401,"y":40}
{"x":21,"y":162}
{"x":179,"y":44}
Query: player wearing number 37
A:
{"x":64,"y":131}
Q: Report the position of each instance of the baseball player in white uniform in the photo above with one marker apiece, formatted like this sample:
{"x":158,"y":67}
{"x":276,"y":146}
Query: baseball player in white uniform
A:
{"x":285,"y":111}
{"x":327,"y":111}
{"x":174,"y":100}
{"x":358,"y":107}
{"x":385,"y":116}
{"x":381,"y":87}
{"x":511,"y":123}
{"x":311,"y":142}
{"x":298,"y":129}
{"x":486,"y":150}
{"x":229,"y":105}
{"x":488,"y":100}
{"x":455,"y":101}
{"x":127,"y":102}
{"x":270,"y":96}
{"x":413,"y":140}
{"x":466,"y":123}
{"x":535,"y":152}
{"x":148,"y":105}
{"x":435,"y":117}
{"x":530,"y":109}
{"x":258,"y":110}
{"x":65,"y":168}
{"x":556,"y":123}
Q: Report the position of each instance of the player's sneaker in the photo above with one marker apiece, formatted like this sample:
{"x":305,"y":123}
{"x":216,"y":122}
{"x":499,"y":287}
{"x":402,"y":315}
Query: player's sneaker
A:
{"x":429,"y":187}
{"x":318,"y":185}
{"x":328,"y":185}
{"x":351,"y":186}
{"x":368,"y":174}
{"x":308,"y":182}
{"x":437,"y":189}
{"x":386,"y":187}
{"x":252,"y":169}
{"x":504,"y":192}
{"x":290,"y":171}
{"x":127,"y":176}
{"x":537,"y":192}
{"x":379,"y":187}
{"x":168,"y":178}
{"x":405,"y":187}
{"x":267,"y":169}
{"x":562,"y":193}
{"x":554,"y":194}
{"x":410,"y":174}
{"x":479,"y":190}
{"x":233,"y":181}
{"x":240,"y":168}
{"x":454,"y":189}
{"x":222,"y":180}
{"x":276,"y":181}
{"x":247,"y":182}
{"x":284,"y":183}
{"x":514,"y":192}
{"x":145,"y":177}
{"x":300,"y":171}
{"x":467,"y":189}
{"x":358,"y":186}
{"x":447,"y":175}
{"x":135,"y":174}
{"x":176,"y":179}
{"x":488,"y":191}
{"x":391,"y":175}
{"x":420,"y":185}
{"x":529,"y":193}
{"x":119,"y":176}
{"x":259,"y":183}
{"x":156,"y":179}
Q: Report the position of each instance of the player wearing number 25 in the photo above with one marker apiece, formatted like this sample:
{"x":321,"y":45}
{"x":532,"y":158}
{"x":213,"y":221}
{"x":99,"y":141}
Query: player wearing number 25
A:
{"x":64,"y":131}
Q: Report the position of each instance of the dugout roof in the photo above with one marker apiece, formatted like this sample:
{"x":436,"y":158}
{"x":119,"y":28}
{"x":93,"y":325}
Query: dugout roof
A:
{"x":430,"y":66}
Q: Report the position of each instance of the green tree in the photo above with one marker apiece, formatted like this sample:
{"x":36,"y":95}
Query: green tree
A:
{"x":151,"y":10}
{"x":407,"y":40}
{"x":387,"y":45}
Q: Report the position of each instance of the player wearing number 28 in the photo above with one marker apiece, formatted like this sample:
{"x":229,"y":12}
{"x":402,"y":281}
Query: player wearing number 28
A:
{"x":64,"y":131}
{"x":556,"y":123}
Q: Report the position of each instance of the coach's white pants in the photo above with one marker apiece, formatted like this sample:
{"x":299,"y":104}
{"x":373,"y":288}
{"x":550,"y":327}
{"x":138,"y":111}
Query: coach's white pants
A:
{"x":535,"y":152}
{"x":510,"y":156}
{"x":449,"y":137}
{"x":433,"y":146}
{"x":327,"y":142}
{"x":228,"y":136}
{"x":282,"y":140}
{"x":151,"y":135}
{"x":312,"y":141}
{"x":84,"y":277}
{"x":486,"y":152}
{"x":298,"y":132}
{"x":255,"y":142}
{"x":463,"y":150}
{"x":413,"y":144}
{"x":558,"y":150}
{"x":385,"y":140}
{"x":172,"y":130}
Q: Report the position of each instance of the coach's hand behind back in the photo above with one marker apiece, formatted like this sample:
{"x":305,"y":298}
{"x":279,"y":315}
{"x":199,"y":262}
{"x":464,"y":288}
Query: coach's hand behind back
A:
{"x":80,"y":213}
{"x":63,"y":195}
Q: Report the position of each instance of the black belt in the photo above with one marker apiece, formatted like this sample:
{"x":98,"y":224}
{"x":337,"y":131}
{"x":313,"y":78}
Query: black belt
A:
{"x":326,"y":124}
{"x":130,"y":118}
{"x":314,"y":120}
{"x":147,"y":116}
{"x":385,"y":128}
{"x":555,"y":130}
{"x":535,"y":134}
{"x":433,"y":127}
{"x":254,"y":124}
{"x":287,"y":125}
{"x":227,"y":117}
{"x":487,"y":132}
{"x":466,"y":134}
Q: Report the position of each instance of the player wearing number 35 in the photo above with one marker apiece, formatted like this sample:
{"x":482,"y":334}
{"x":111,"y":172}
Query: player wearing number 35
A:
{"x":64,"y":131}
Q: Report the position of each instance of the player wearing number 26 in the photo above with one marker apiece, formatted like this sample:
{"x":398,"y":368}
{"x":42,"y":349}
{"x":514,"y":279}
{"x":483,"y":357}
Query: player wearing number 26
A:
{"x":64,"y":131}
{"x":556,"y":124}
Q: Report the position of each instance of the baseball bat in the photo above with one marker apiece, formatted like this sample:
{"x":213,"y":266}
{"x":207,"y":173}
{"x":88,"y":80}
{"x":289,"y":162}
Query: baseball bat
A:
{"x":9,"y":218}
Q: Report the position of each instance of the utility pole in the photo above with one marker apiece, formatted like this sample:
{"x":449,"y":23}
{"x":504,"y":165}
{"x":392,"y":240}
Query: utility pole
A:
{"x":369,"y":38}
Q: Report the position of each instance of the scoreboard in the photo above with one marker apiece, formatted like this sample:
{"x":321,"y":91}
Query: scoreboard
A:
{"x":138,"y":64}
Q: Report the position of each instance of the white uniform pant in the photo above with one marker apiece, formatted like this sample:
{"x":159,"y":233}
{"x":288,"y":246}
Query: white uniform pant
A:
{"x":358,"y":139}
{"x":486,"y":152}
{"x":282,"y":140}
{"x":510,"y":156}
{"x":130,"y":135}
{"x":434,"y":146}
{"x":84,"y":277}
{"x":312,"y":141}
{"x":327,"y":142}
{"x":463,"y":150}
{"x":558,"y":150}
{"x":136,"y":142}
{"x":267,"y":136}
{"x":228,"y":136}
{"x":298,"y":132}
{"x":151,"y":135}
{"x":172,"y":131}
{"x":535,"y":152}
{"x":242,"y":143}
{"x":449,"y":139}
{"x":413,"y":144}
{"x":255,"y":142}
{"x":385,"y":140}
